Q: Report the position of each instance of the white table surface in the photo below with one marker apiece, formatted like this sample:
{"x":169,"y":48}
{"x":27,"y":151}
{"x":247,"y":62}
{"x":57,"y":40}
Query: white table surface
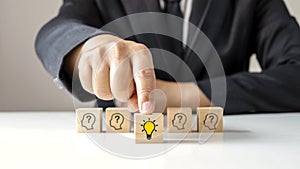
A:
{"x":49,"y":140}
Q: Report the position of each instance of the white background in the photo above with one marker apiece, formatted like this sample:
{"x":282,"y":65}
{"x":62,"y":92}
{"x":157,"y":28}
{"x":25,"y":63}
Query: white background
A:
{"x":24,"y":84}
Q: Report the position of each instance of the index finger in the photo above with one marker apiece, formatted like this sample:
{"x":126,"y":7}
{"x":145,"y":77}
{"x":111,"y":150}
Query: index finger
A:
{"x":144,"y":77}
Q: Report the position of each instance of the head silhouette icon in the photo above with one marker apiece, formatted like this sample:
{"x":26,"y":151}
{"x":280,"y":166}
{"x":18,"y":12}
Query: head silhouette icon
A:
{"x":179,"y":121}
{"x":116,"y":121}
{"x":88,"y":121}
{"x":211,"y":121}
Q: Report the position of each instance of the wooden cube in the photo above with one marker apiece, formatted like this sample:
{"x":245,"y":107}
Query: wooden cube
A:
{"x":210,"y":119}
{"x":179,"y":119}
{"x":118,"y":120}
{"x":89,"y":120}
{"x":149,"y":128}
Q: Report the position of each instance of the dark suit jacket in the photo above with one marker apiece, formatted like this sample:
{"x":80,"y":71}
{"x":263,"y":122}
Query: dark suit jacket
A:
{"x":236,"y":28}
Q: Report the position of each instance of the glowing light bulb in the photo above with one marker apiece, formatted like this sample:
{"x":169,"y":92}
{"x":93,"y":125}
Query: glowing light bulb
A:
{"x":149,"y":127}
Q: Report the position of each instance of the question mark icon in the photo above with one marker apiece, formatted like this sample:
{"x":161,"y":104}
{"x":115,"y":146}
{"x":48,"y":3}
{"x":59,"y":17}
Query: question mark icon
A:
{"x":88,"y":121}
{"x":211,"y":118}
{"x":89,"y":118}
{"x":211,"y":121}
{"x":180,"y":118}
{"x":117,"y":118}
{"x":116,"y":121}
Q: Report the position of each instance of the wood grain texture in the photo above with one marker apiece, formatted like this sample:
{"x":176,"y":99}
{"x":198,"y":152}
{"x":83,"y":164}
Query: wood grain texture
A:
{"x":155,"y":123}
{"x":117,"y":120}
{"x":88,"y":120}
{"x":179,"y":119}
{"x":210,"y":119}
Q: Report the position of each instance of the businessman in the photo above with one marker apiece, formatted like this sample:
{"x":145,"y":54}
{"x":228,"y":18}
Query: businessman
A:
{"x":73,"y":45}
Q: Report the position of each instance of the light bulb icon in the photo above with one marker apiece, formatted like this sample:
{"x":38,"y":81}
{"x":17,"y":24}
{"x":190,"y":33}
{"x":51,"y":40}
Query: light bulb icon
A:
{"x":149,"y":127}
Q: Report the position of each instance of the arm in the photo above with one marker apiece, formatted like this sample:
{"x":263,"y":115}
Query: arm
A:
{"x":276,"y":88}
{"x":182,"y":94}
{"x":76,"y":22}
{"x":108,"y":67}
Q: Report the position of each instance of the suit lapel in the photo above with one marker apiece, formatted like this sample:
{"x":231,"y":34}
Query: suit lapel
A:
{"x":198,"y":9}
{"x":199,"y":12}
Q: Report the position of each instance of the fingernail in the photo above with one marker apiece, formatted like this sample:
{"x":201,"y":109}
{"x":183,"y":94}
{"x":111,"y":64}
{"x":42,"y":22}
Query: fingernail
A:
{"x":147,"y":107}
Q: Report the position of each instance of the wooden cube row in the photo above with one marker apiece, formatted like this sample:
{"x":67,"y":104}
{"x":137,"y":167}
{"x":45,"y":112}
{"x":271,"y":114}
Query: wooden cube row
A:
{"x":150,"y":128}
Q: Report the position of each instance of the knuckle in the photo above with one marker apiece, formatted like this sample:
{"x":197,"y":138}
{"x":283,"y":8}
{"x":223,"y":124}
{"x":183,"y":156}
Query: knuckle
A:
{"x":122,"y":91}
{"x":119,"y":52}
{"x":83,"y":60}
{"x":120,"y":48}
{"x":86,"y":87}
{"x":140,"y":46}
{"x":122,"y":96}
{"x":144,"y":91}
{"x":92,"y":56}
{"x":103,"y":93}
{"x":144,"y":94}
{"x":120,"y":44}
{"x":147,"y":74}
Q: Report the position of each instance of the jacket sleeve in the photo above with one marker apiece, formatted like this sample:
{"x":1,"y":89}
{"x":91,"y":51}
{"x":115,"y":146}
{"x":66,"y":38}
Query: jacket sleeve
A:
{"x":277,"y":87}
{"x":77,"y":21}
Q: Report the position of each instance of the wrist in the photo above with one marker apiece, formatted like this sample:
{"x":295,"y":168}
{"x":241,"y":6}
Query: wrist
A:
{"x":183,"y":94}
{"x":194,"y":96}
{"x":171,"y":91}
{"x":71,"y":60}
